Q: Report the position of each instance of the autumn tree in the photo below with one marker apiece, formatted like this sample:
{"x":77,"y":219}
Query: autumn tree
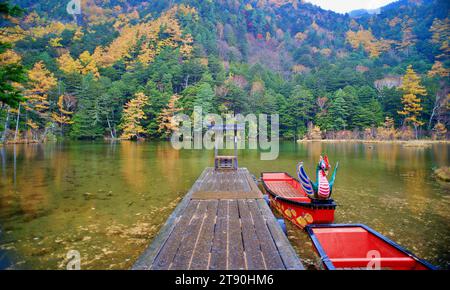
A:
{"x":68,"y":64}
{"x":133,"y":114}
{"x":370,"y":43}
{"x":440,"y":130}
{"x":387,"y":132}
{"x":408,"y":37}
{"x":88,"y":64}
{"x":440,"y":30}
{"x":151,"y":38}
{"x":84,"y":65}
{"x":411,"y":103}
{"x":41,"y":81}
{"x":63,"y":116}
{"x":166,"y":119}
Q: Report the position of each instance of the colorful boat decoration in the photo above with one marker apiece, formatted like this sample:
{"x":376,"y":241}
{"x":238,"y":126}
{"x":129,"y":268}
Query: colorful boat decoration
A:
{"x":356,"y":246}
{"x":287,"y":196}
{"x":322,"y":188}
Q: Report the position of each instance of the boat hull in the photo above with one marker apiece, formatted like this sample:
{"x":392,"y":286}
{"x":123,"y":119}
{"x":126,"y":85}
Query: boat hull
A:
{"x":356,"y":246}
{"x":288,"y":198}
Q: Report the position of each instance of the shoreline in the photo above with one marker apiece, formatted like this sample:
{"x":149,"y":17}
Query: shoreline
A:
{"x":403,"y":142}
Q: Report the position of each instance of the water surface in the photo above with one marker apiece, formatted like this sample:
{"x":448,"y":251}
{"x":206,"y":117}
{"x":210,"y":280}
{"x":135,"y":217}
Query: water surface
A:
{"x":108,"y":200}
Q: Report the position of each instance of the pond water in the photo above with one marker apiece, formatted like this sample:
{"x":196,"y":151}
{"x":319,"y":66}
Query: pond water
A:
{"x":108,"y":200}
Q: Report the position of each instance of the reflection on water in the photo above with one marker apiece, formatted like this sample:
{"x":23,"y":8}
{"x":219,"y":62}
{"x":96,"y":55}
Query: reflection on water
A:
{"x":107,"y":200}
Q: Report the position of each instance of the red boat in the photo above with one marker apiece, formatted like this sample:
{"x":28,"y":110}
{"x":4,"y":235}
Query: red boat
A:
{"x":287,"y":196}
{"x":357,"y":247}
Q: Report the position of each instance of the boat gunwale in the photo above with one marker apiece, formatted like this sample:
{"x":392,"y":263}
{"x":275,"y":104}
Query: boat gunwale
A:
{"x":329,"y":264}
{"x":321,"y":206}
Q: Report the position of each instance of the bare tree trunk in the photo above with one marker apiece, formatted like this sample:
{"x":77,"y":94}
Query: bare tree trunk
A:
{"x":17,"y":124}
{"x":44,"y":135}
{"x":186,"y":81}
{"x":440,"y":95}
{"x":111,"y":130}
{"x":436,"y":105}
{"x":5,"y":131}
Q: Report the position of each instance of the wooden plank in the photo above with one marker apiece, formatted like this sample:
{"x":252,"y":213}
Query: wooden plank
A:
{"x":251,"y":182}
{"x":147,"y":258}
{"x":205,"y":195}
{"x":286,"y":251}
{"x":269,"y":250}
{"x":191,"y":235}
{"x":236,"y":260}
{"x":200,"y":258}
{"x":252,"y":247}
{"x":170,"y":248}
{"x":207,"y":231}
{"x":207,"y":182}
{"x":219,"y":246}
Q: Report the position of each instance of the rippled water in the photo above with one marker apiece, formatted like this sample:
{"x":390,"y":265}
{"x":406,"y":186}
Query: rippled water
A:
{"x":107,"y":200}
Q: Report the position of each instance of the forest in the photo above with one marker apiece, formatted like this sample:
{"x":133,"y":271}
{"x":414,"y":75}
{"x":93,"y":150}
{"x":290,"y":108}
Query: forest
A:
{"x":123,"y":69}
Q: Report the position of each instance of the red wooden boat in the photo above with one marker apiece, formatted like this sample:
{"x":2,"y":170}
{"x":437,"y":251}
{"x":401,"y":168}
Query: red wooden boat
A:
{"x":351,"y":247}
{"x":286,"y":195}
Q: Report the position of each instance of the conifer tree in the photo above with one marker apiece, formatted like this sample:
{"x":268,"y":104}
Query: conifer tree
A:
{"x":411,"y":103}
{"x":132,"y":115}
{"x":166,"y":120}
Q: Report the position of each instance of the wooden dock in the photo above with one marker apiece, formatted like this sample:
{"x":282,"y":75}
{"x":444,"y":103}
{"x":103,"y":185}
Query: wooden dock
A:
{"x":223,"y":223}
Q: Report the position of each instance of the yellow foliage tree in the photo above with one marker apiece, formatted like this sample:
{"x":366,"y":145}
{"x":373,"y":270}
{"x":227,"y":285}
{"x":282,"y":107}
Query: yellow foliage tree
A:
{"x":299,"y":68}
{"x":55,"y":27}
{"x":9,"y":57}
{"x":41,"y":81}
{"x":132,"y":115}
{"x":408,"y":37}
{"x":440,"y":130}
{"x":166,"y":120}
{"x":365,"y":38}
{"x":68,"y":64}
{"x":440,"y":30}
{"x":55,"y":42}
{"x":301,"y":36}
{"x":88,"y":64}
{"x":78,"y":34}
{"x":148,"y":35}
{"x":84,"y":65}
{"x":63,"y":116}
{"x":411,"y":103}
{"x":438,"y":70}
{"x":315,"y":26}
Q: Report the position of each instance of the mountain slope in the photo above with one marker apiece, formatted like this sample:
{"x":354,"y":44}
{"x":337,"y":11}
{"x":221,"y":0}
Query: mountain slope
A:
{"x":254,"y":56}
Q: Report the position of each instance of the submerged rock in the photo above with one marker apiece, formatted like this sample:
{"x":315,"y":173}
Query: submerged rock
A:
{"x":443,"y":173}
